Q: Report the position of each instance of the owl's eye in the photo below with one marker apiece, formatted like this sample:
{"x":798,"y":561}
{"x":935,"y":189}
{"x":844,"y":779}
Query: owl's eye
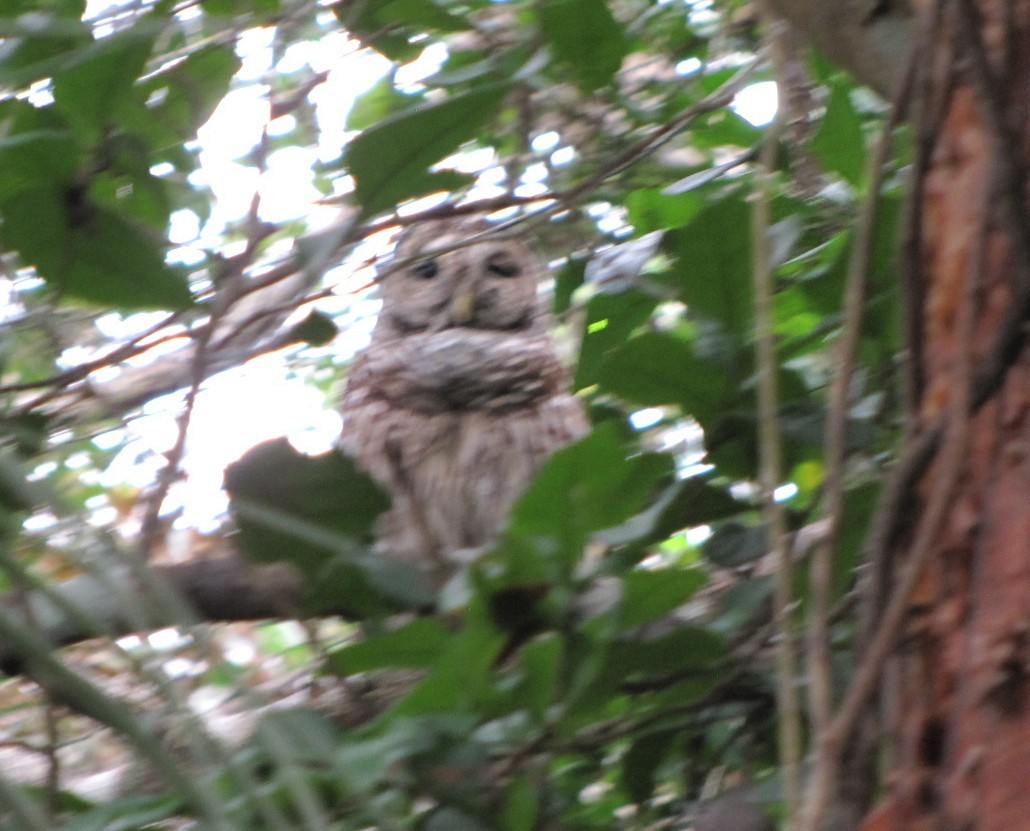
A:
{"x":501,"y":265}
{"x":426,"y":270}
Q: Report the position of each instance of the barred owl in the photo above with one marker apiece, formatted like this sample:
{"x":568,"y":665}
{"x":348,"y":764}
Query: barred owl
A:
{"x":460,"y":396}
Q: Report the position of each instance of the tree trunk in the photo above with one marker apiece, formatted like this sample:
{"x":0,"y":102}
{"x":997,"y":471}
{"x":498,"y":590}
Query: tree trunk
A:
{"x":960,"y":693}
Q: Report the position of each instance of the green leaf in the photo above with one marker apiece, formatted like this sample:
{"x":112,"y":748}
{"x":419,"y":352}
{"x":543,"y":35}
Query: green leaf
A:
{"x":609,"y":321}
{"x":649,"y":594}
{"x":838,"y":144}
{"x":686,"y":648}
{"x":584,"y":36}
{"x":300,"y":735}
{"x":382,"y":100}
{"x":393,"y":27}
{"x":51,"y":39}
{"x":687,"y":503}
{"x":541,"y":663}
{"x":317,"y":329}
{"x":37,"y":159}
{"x":650,"y":209}
{"x":585,"y":487}
{"x":415,"y":645}
{"x":658,"y":368}
{"x":520,"y":805}
{"x":93,"y":91}
{"x":713,"y":263}
{"x":329,"y":489}
{"x":566,"y":281}
{"x":734,"y":544}
{"x":418,"y":14}
{"x":318,"y":512}
{"x":128,"y":813}
{"x":181,"y":98}
{"x":89,"y":252}
{"x":460,"y":675}
{"x":641,"y":761}
{"x":389,"y":162}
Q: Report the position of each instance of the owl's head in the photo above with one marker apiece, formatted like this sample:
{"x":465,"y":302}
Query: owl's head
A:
{"x":490,"y":284}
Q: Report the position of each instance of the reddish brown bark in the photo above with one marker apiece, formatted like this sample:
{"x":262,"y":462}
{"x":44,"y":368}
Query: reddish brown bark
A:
{"x":961,"y":707}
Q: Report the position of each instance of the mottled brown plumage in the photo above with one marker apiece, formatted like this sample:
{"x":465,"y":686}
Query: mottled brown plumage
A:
{"x":460,"y":397}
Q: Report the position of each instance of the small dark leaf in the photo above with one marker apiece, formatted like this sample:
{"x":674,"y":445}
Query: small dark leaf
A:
{"x":317,"y":329}
{"x":734,"y":544}
{"x":641,"y":762}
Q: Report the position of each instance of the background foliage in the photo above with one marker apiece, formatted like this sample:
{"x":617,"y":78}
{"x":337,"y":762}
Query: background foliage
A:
{"x":609,"y":663}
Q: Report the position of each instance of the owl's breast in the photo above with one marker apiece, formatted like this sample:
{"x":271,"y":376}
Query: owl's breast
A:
{"x":462,"y":369}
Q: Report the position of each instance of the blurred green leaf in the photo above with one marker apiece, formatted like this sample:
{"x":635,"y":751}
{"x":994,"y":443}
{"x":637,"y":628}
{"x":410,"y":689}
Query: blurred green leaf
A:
{"x":658,"y":368}
{"x":94,"y":90}
{"x":316,"y":329}
{"x":713,"y":263}
{"x":175,"y":102}
{"x":89,"y":252}
{"x":651,"y":209}
{"x":641,"y":761}
{"x":584,"y":36}
{"x":648,"y":594}
{"x":317,"y":512}
{"x":128,"y":813}
{"x":520,"y":806}
{"x":390,"y":161}
{"x":585,"y":487}
{"x":610,"y":320}
{"x":734,"y":544}
{"x":838,"y":143}
{"x":37,"y":159}
{"x":540,"y":662}
{"x":414,"y":645}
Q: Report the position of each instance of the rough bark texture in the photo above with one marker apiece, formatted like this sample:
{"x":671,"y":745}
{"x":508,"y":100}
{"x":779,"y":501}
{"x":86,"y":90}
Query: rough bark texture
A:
{"x":961,"y":699}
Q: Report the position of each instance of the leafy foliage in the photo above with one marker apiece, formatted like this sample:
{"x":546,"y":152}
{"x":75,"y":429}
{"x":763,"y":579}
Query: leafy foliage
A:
{"x":609,"y":653}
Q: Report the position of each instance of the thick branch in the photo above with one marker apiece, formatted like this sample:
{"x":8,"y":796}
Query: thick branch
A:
{"x":222,"y":589}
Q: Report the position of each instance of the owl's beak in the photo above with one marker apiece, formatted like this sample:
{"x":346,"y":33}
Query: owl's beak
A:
{"x":463,"y":305}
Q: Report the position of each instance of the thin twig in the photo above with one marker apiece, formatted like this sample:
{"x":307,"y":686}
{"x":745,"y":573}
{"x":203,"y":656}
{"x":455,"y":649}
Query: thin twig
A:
{"x":821,"y":570}
{"x":770,"y":476}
